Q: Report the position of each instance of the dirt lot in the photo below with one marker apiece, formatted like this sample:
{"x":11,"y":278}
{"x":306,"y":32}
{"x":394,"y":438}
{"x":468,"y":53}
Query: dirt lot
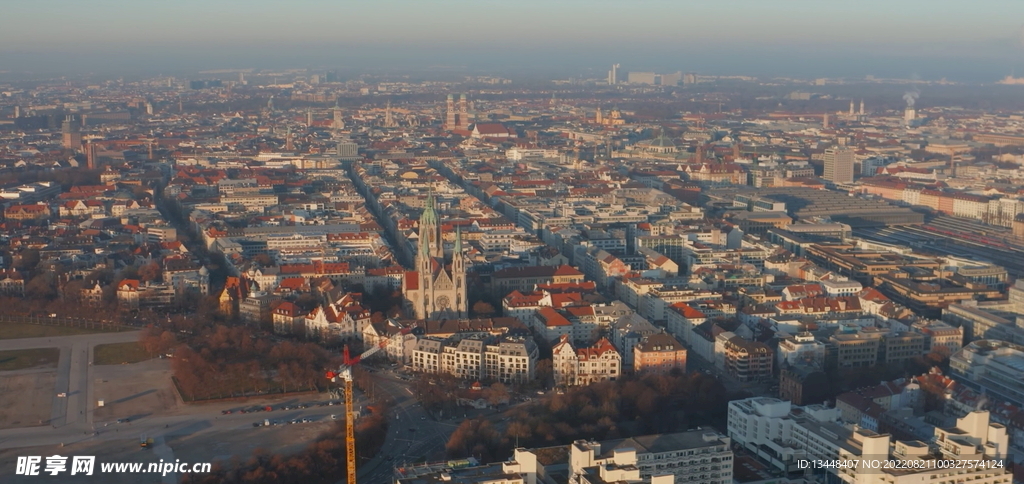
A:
{"x":137,"y":390}
{"x":26,"y":398}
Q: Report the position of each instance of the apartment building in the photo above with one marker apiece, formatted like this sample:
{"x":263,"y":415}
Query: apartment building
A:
{"x":507,"y":359}
{"x":783,"y":435}
{"x":583,"y":366}
{"x":659,"y":353}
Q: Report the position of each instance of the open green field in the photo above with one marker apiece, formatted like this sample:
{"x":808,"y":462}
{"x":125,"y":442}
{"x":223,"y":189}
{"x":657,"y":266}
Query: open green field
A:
{"x":34,"y":358}
{"x":119,"y":353}
{"x":19,"y":330}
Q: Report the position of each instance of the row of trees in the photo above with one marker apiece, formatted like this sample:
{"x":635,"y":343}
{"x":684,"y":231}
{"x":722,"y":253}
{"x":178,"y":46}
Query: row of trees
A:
{"x":232,"y":361}
{"x":608,"y":410}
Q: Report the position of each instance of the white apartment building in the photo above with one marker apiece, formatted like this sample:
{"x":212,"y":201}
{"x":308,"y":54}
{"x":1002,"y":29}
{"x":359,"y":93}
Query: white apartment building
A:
{"x":783,"y":435}
{"x":800,"y":348}
{"x":681,"y":319}
{"x":571,"y":366}
{"x":506,"y":359}
{"x":837,"y":288}
{"x":702,"y":456}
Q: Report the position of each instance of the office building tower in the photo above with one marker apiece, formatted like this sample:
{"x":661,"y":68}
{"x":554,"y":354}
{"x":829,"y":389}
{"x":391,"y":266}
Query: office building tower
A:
{"x":314,"y":79}
{"x":851,"y":107}
{"x":839,"y":165}
{"x":72,"y":131}
{"x":241,"y":78}
{"x":309,"y":117}
{"x":861,"y":107}
{"x":613,"y":75}
{"x":331,"y":76}
{"x":17,"y":111}
{"x":348,"y":150}
{"x":909,"y":115}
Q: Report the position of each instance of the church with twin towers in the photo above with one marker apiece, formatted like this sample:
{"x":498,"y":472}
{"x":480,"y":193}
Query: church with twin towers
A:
{"x":457,"y":114}
{"x":436,"y":287}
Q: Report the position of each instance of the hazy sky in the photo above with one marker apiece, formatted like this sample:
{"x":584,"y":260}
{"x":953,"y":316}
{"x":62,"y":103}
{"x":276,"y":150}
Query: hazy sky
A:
{"x":724,"y":35}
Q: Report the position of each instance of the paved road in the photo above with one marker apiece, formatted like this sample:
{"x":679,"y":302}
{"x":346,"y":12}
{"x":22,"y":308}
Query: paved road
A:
{"x":158,"y":427}
{"x":413,"y":433}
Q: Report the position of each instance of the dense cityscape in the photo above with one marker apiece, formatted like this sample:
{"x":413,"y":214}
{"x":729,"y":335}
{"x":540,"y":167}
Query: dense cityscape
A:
{"x":320,"y":275}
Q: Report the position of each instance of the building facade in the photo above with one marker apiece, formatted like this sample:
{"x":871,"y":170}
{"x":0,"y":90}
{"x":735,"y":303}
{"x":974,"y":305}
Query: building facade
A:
{"x":436,"y":290}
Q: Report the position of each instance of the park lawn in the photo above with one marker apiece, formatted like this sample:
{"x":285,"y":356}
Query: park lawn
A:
{"x":34,"y":358}
{"x":19,"y":330}
{"x":119,"y":353}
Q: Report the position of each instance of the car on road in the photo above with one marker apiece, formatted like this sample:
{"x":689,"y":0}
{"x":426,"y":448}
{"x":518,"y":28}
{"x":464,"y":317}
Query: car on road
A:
{"x":62,"y":395}
{"x":255,"y":424}
{"x":412,"y":429}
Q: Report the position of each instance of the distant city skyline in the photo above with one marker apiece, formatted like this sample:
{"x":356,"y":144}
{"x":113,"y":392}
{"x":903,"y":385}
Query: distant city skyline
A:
{"x":943,"y":38}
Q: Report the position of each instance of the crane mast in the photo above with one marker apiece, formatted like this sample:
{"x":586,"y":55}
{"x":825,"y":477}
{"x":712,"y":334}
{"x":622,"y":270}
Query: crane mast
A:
{"x":345,"y":373}
{"x":350,"y":427}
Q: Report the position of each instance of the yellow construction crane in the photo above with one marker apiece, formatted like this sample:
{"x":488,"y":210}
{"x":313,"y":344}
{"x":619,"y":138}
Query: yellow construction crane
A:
{"x":345,"y":374}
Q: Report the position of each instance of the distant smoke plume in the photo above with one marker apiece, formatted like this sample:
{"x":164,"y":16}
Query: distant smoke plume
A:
{"x":982,"y":401}
{"x":910,"y":97}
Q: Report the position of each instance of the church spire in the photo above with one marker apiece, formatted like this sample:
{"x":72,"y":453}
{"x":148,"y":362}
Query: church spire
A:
{"x":458,"y":240}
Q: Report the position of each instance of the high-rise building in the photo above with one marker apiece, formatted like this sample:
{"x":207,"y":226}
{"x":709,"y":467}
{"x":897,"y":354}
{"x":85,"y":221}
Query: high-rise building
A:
{"x":839,"y":165}
{"x":72,"y":131}
{"x":909,"y":115}
{"x":642,"y":78}
{"x":348,"y":150}
{"x":331,"y":76}
{"x":672,"y":79}
{"x":613,"y":75}
{"x":17,"y":111}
